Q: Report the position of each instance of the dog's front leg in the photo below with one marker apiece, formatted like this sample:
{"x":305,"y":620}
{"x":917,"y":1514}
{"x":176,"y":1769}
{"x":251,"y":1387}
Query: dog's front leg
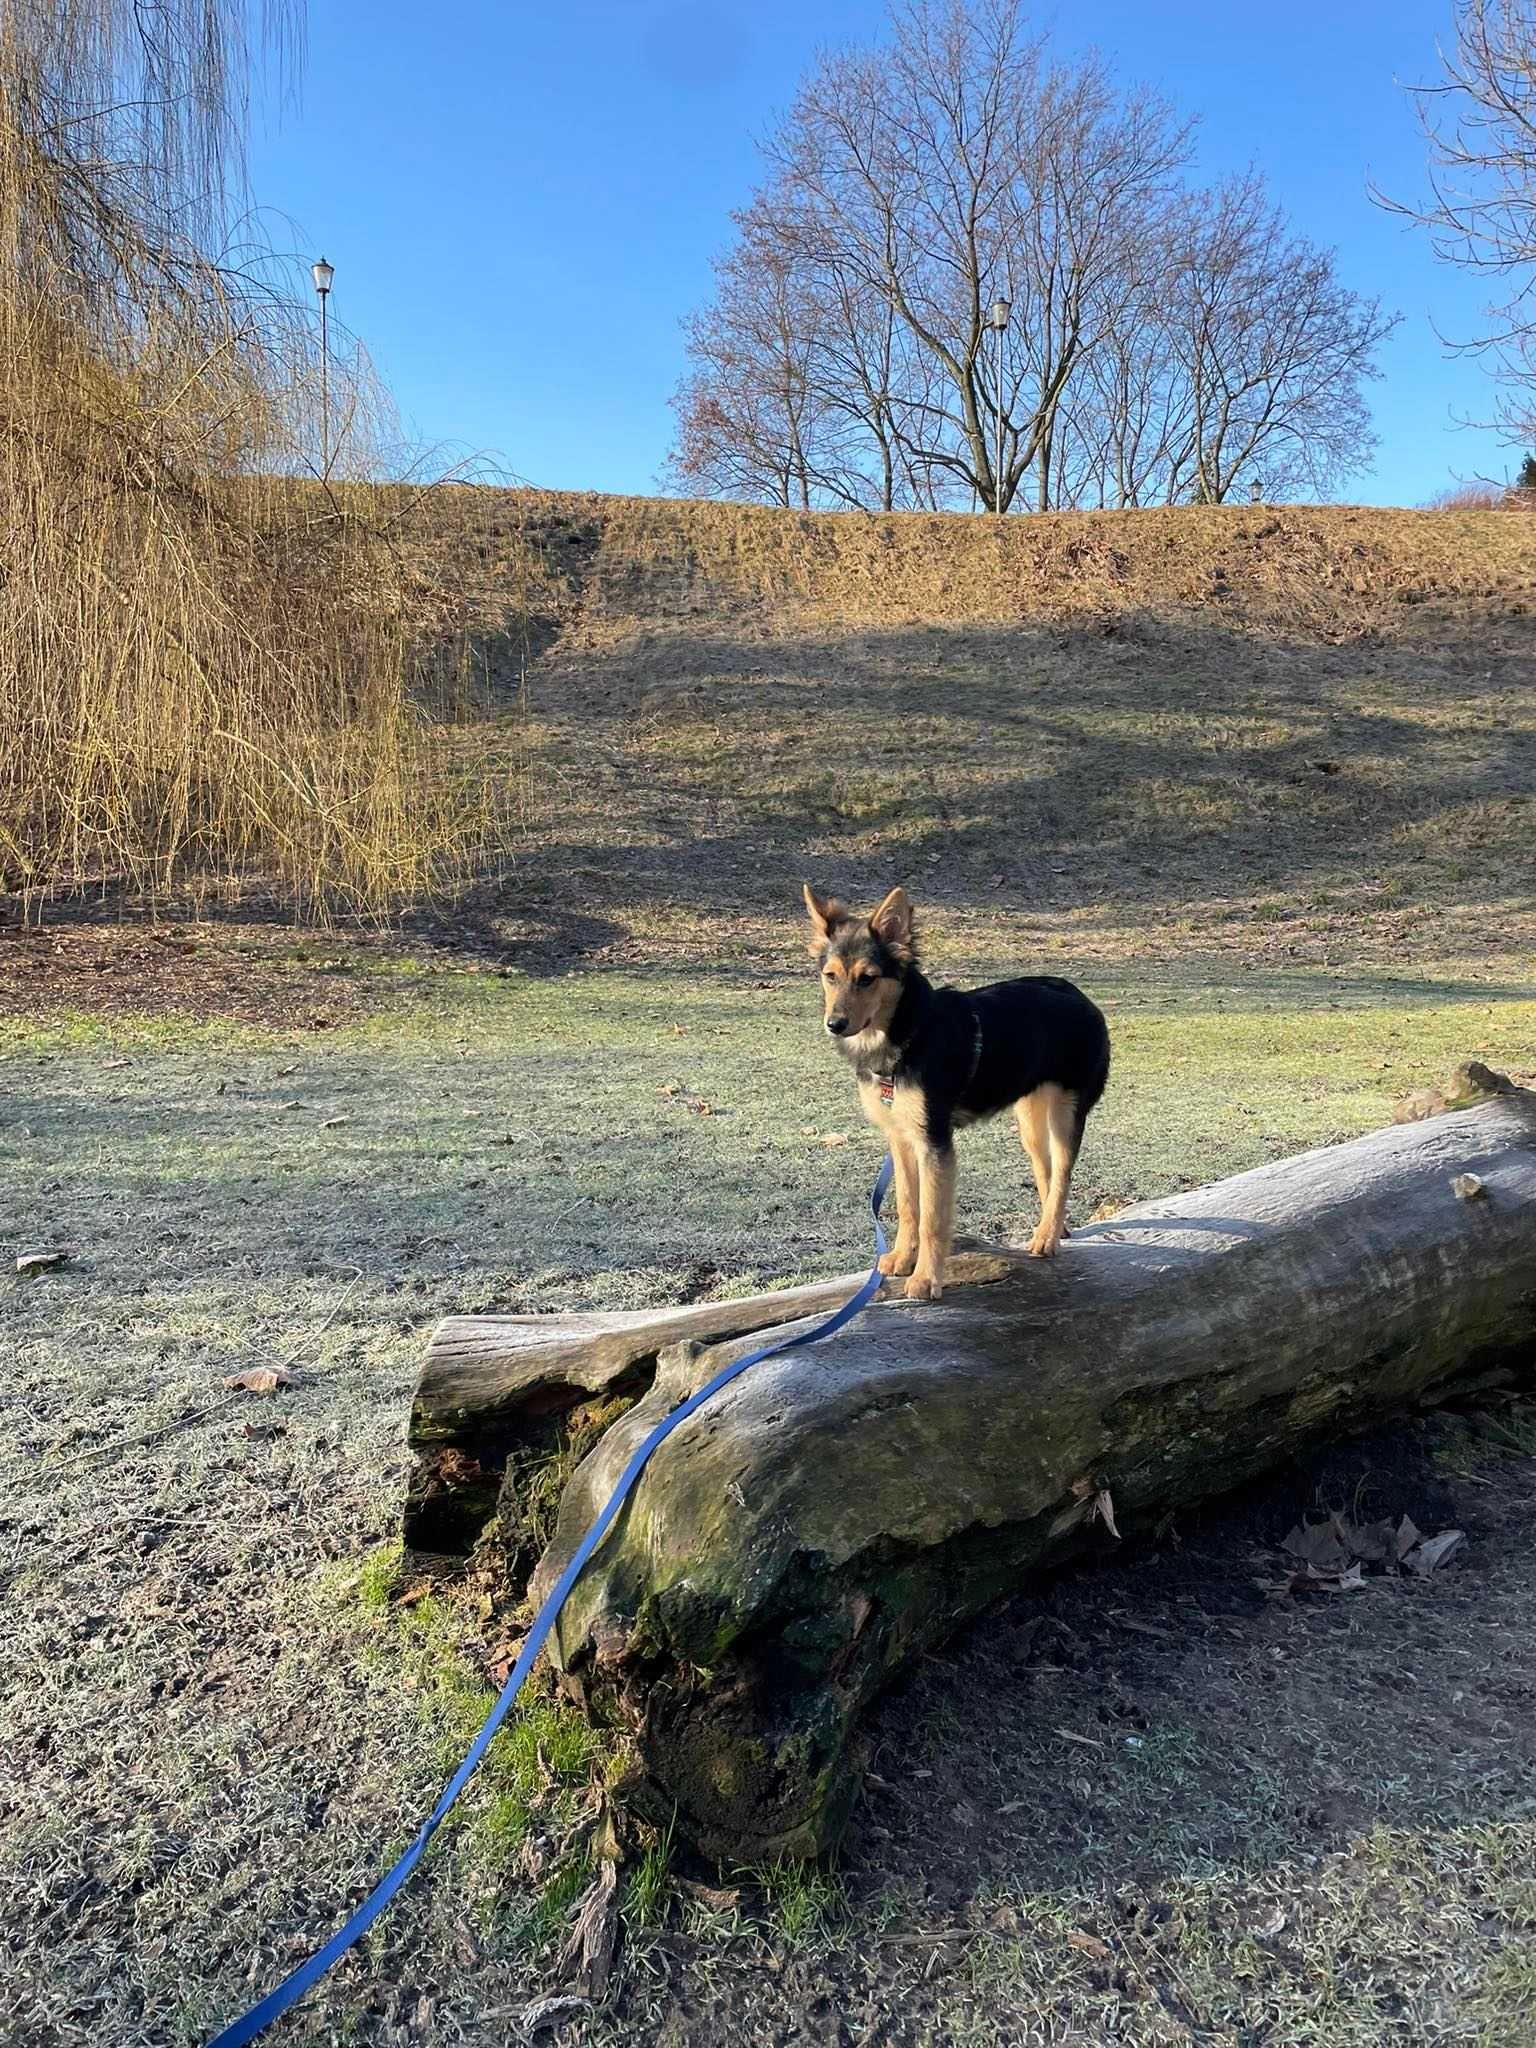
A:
{"x":936,"y":1221}
{"x":902,"y":1256}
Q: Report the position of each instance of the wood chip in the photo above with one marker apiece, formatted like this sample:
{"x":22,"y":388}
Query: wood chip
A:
{"x":545,"y":2013}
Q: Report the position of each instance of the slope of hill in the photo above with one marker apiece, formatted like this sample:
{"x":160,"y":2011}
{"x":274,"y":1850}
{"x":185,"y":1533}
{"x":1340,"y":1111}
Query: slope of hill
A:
{"x":1284,"y":733}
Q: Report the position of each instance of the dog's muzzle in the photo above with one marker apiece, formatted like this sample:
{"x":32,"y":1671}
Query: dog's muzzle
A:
{"x":838,"y":1026}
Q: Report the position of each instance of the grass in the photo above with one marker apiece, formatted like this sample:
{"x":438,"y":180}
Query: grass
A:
{"x":245,"y":1741}
{"x":650,"y":1883}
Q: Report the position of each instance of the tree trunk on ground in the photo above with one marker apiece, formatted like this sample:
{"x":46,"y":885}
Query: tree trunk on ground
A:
{"x":834,"y":1512}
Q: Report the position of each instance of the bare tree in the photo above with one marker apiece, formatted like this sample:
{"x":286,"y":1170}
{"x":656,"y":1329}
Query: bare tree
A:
{"x":1159,"y":345}
{"x":1480,"y":123}
{"x":1273,"y":349}
{"x":955,"y":167}
{"x":747,"y":417}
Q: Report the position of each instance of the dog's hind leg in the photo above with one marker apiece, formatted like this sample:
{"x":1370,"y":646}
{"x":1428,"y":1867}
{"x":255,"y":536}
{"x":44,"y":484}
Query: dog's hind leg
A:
{"x":1033,"y":1113}
{"x":1064,"y":1131}
{"x":902,"y":1256}
{"x":1035,"y":1137}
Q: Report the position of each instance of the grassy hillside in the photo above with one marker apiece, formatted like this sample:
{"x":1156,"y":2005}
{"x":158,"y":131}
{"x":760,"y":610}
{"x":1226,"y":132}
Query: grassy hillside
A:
{"x":1278,"y":735}
{"x":1346,"y":569}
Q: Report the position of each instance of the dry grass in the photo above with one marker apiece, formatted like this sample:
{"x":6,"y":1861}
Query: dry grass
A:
{"x":1326,"y":753}
{"x":1339,"y":572}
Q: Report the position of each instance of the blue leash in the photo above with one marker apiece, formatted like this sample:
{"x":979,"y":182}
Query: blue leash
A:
{"x":293,"y":1987}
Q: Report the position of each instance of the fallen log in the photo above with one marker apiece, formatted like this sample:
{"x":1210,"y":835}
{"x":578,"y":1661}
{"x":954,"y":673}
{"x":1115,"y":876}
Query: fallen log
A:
{"x":834,"y":1512}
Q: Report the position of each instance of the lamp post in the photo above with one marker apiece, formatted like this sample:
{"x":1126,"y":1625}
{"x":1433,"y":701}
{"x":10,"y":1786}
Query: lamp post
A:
{"x":997,"y":320}
{"x":323,"y":273}
{"x":1256,"y":491}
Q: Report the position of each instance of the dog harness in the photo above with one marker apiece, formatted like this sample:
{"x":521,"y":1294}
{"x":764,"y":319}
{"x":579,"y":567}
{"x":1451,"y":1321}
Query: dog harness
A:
{"x":887,"y":1082}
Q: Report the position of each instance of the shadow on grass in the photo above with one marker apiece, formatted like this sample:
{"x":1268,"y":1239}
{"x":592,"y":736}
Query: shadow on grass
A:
{"x":1042,"y":768}
{"x":1159,"y":1717}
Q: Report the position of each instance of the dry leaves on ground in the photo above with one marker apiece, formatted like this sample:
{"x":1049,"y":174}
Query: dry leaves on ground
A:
{"x":1332,"y":1555}
{"x":260,"y":1379}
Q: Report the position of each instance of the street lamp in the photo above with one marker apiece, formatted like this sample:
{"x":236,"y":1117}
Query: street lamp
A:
{"x":997,"y":320}
{"x":1256,"y":491}
{"x":323,"y":273}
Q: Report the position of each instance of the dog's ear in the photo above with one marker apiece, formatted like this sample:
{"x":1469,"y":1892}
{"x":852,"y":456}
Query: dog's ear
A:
{"x":892,"y":924}
{"x":826,"y":915}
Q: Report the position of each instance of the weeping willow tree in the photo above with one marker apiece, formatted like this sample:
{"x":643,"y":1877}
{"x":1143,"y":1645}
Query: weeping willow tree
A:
{"x":212,"y":655}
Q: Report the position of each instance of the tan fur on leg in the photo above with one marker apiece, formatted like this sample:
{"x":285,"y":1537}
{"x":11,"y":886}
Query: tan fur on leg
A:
{"x":936,"y":1223}
{"x":902,"y":1256}
{"x":1060,"y":1107}
{"x":1035,"y":1137}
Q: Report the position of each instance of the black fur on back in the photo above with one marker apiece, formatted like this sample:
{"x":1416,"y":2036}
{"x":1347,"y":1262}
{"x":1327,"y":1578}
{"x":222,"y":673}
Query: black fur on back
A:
{"x":974,"y":1052}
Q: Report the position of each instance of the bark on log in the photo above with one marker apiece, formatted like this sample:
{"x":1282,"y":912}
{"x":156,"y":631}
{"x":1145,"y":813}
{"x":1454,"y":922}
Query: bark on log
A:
{"x":834,"y":1512}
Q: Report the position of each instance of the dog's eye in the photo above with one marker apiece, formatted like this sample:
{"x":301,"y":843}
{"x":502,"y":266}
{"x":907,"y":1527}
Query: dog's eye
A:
{"x":864,"y":980}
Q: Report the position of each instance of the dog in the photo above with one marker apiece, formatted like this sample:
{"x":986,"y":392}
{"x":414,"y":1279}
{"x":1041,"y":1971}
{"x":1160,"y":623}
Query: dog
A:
{"x":931,"y":1060}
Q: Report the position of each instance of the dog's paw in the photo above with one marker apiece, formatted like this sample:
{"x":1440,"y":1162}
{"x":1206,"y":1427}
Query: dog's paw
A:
{"x":1044,"y":1243}
{"x":897,"y":1261}
{"x":923,"y":1287}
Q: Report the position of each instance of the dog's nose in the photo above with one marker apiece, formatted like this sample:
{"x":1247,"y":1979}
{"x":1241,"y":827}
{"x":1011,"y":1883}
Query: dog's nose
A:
{"x":837,"y":1026}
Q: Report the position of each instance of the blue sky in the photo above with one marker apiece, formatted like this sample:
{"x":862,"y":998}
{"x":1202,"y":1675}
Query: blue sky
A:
{"x":521,"y":202}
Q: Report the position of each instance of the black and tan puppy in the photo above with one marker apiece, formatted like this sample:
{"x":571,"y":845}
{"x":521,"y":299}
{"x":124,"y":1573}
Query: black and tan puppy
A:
{"x":930,"y":1060}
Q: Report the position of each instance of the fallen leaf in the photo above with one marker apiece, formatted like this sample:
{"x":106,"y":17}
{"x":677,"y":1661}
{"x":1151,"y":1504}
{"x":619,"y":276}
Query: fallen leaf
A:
{"x":1089,"y":1945}
{"x":1435,"y":1551}
{"x":263,"y":1432}
{"x":499,"y":1669}
{"x":1104,"y":1511}
{"x":1087,"y":1741}
{"x":260,"y":1379}
{"x":28,"y":1263}
{"x":332,"y":1121}
{"x":808,"y":1130}
{"x":1468,"y":1188}
{"x":1271,"y":1924}
{"x":1320,"y":1545}
{"x":1407,"y":1536}
{"x":835,"y":1138}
